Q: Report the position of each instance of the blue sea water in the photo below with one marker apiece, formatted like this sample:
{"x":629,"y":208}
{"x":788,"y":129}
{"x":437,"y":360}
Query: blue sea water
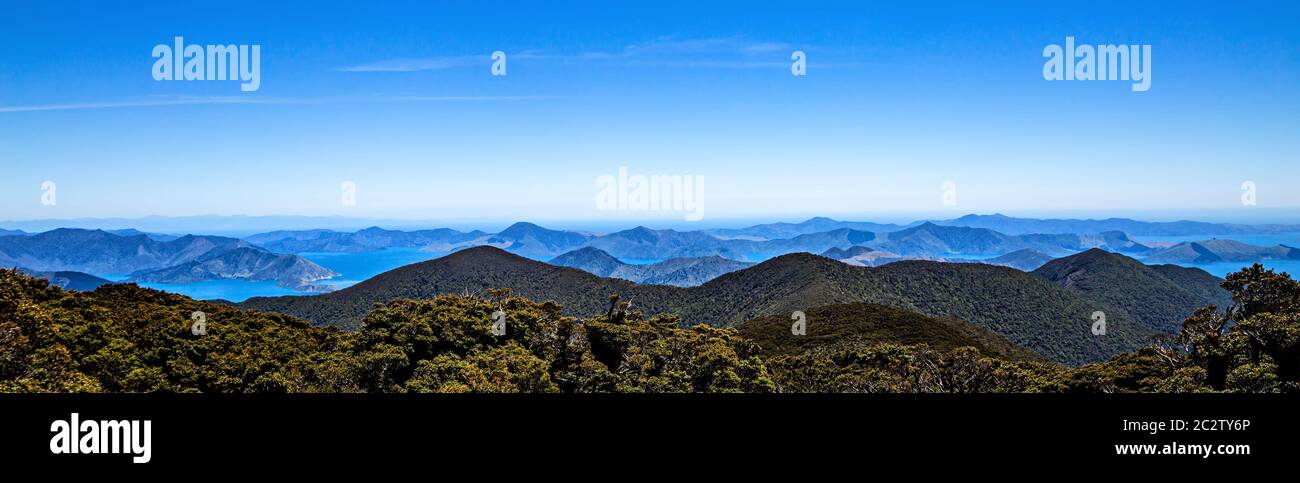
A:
{"x":1222,"y":269}
{"x":352,"y":268}
{"x":232,"y":290}
{"x":357,"y":267}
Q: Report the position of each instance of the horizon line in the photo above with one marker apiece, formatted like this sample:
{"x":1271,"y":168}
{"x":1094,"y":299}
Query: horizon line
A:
{"x":354,"y":223}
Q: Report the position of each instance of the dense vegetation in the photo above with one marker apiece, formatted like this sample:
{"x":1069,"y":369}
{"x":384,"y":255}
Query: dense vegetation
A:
{"x":857,"y":324}
{"x":126,"y":338}
{"x":1158,"y":296}
{"x":1028,"y":310}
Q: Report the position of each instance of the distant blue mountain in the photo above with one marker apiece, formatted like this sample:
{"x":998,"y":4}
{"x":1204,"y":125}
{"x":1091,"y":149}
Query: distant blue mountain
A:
{"x":1012,"y":226}
{"x":101,"y":252}
{"x":1212,"y":251}
{"x":534,"y":241}
{"x":369,"y":239}
{"x":1025,"y":260}
{"x":237,"y":225}
{"x":968,"y":236}
{"x":243,"y":263}
{"x":681,"y":272}
{"x":134,"y":232}
{"x":68,"y":280}
{"x":274,"y":255}
{"x":185,"y":259}
{"x":640,"y":254}
{"x":774,"y":231}
{"x":1021,"y":226}
{"x":931,"y":239}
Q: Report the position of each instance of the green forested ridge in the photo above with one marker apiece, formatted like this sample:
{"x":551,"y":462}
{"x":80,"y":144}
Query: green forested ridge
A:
{"x":470,"y":271}
{"x":857,"y":323}
{"x":1197,"y":281}
{"x":1159,"y":296}
{"x":1028,"y":310}
{"x":127,"y":338}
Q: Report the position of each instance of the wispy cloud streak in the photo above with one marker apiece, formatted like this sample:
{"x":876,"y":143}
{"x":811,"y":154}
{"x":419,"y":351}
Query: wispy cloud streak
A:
{"x":190,"y":101}
{"x":434,"y":63}
{"x":736,"y":52}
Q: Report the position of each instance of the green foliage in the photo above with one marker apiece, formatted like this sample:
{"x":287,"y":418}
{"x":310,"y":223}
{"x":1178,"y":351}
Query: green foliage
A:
{"x":891,"y":368}
{"x":1253,"y":346}
{"x":123,"y":338}
{"x":126,"y":338}
{"x":1141,"y":371}
{"x":859,"y":323}
{"x":1160,"y":297}
{"x":1028,"y":310}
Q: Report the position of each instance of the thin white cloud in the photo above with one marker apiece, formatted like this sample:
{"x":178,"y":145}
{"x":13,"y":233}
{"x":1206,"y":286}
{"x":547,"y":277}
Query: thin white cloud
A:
{"x":434,"y":63}
{"x":705,"y":64}
{"x":133,"y":103}
{"x":188,"y":101}
{"x":737,"y":45}
{"x":736,"y":52}
{"x":411,"y":65}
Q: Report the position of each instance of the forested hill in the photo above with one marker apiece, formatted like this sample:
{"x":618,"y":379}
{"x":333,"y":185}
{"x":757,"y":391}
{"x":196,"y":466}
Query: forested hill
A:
{"x":1158,"y":296}
{"x":124,"y":338}
{"x":1026,"y":309}
{"x":846,"y":325}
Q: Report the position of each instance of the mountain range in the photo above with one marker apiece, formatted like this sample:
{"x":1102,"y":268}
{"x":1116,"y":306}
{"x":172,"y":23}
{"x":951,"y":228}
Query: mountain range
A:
{"x":243,"y":263}
{"x":967,"y":285}
{"x":1021,"y":226}
{"x":248,"y":225}
{"x":1013,"y":226}
{"x":1033,"y":311}
{"x":184,"y":259}
{"x":773,"y":231}
{"x":1211,"y":251}
{"x":681,"y":272}
{"x":930,"y":239}
{"x":949,"y":240}
{"x":373,"y":238}
{"x":650,"y":256}
{"x":1024,"y":259}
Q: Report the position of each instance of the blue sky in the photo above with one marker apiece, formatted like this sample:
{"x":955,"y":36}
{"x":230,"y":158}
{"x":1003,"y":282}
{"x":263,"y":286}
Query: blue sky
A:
{"x":397,"y":97}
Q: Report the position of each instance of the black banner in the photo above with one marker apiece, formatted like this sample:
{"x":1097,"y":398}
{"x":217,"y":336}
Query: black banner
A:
{"x":232,"y":432}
